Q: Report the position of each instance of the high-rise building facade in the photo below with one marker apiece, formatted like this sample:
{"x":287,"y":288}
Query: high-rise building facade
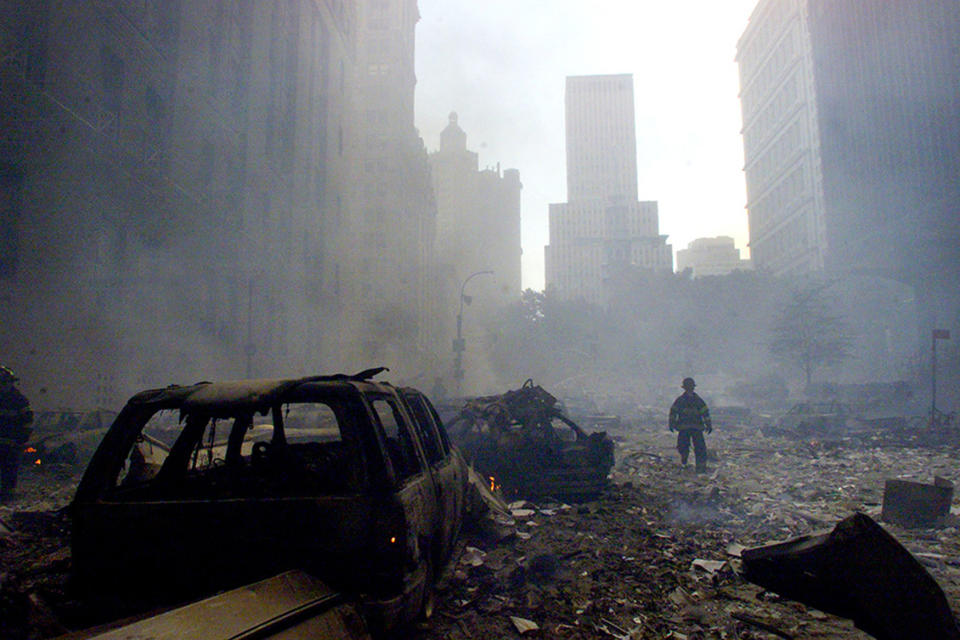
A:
{"x":178,"y":190}
{"x":602,"y":229}
{"x":851,"y":137}
{"x":391,"y":280}
{"x":478,"y":229}
{"x":478,"y":218}
{"x":781,"y":140}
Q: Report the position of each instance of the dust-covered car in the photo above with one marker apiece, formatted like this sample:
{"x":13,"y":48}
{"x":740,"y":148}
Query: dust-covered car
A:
{"x":818,"y":418}
{"x":65,"y":437}
{"x":352,"y":480}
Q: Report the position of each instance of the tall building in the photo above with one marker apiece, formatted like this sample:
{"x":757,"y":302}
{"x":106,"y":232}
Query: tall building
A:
{"x":851,"y":137}
{"x":602,"y":229}
{"x":478,"y":229}
{"x":478,"y":218}
{"x":178,"y":191}
{"x":851,"y":147}
{"x":390,"y":275}
{"x":711,"y":257}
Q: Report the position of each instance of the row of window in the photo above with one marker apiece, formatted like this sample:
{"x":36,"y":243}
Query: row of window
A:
{"x":766,"y":29}
{"x":770,"y":163}
{"x":759,"y":128}
{"x":770,"y":209}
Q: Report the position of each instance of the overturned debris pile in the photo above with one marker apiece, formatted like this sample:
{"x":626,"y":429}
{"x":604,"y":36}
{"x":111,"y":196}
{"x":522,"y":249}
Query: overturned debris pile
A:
{"x":523,"y":443}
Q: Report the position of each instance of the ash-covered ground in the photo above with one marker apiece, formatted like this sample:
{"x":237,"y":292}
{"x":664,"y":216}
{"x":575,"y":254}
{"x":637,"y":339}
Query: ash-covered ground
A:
{"x":650,"y":558}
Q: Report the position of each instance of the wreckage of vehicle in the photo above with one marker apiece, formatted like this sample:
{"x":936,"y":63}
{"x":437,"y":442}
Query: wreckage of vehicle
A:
{"x":351,"y":480}
{"x":524,"y":444}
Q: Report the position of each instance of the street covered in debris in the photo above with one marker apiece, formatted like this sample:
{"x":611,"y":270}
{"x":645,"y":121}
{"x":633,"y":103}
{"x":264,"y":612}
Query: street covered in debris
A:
{"x":655,"y":555}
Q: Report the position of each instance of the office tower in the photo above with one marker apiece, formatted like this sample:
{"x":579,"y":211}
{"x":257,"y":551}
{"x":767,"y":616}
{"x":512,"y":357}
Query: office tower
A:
{"x":851,"y":137}
{"x":602,"y":230}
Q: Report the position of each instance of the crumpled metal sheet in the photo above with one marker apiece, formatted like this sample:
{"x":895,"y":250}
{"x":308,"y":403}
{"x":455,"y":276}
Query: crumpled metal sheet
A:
{"x":858,"y":571}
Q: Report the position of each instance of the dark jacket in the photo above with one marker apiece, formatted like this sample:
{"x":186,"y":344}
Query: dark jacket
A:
{"x":15,"y":416}
{"x":689,"y":411}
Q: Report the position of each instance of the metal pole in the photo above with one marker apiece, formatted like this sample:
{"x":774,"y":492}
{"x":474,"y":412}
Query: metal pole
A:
{"x":459,"y":344}
{"x":249,"y":348}
{"x":933,"y":378}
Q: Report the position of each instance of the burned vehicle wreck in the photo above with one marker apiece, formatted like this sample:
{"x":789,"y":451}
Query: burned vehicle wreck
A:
{"x":525,"y":445}
{"x":352,"y":480}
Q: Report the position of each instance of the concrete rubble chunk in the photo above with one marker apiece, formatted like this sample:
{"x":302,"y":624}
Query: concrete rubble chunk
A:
{"x":857,"y":571}
{"x":914,"y":504}
{"x":524,"y":626}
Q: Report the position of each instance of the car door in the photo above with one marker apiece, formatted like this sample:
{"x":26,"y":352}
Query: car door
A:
{"x":449,"y":471}
{"x":414,"y":485}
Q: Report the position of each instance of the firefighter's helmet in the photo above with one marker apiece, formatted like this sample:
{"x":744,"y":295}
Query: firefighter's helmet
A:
{"x":7,"y":375}
{"x":688,"y":383}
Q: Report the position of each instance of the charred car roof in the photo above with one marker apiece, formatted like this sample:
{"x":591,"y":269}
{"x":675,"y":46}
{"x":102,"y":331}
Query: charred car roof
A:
{"x":255,"y":395}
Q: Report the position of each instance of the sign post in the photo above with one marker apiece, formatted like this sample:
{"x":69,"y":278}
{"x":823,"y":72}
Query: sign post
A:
{"x":938,"y":334}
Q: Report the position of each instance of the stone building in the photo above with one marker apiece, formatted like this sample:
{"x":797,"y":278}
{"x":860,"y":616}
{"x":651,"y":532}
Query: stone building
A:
{"x":478,"y":218}
{"x":602,"y":230}
{"x":392,"y":276}
{"x":478,"y":229}
{"x":177,"y":196}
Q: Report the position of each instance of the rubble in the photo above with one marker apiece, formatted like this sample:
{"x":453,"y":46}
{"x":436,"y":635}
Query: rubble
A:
{"x":525,"y":445}
{"x":626,"y":562}
{"x":861,"y":572}
{"x":913,"y":504}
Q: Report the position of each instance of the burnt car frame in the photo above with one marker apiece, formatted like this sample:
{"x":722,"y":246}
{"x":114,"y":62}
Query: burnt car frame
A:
{"x":524,"y":445}
{"x":357,"y":483}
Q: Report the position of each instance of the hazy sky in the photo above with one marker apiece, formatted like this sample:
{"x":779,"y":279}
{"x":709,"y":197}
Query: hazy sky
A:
{"x":501,"y":65}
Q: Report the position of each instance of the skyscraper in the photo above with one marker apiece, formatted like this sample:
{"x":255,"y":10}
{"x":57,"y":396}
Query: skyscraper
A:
{"x":851,"y":137}
{"x":602,"y":229}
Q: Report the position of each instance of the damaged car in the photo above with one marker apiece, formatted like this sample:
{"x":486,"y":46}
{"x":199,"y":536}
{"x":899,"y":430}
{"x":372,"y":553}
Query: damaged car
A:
{"x":65,"y":437}
{"x":349,"y":479}
{"x":524,"y":444}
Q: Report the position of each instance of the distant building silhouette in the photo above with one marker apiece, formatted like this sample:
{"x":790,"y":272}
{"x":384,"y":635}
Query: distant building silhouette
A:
{"x":478,"y":229}
{"x":602,"y":230}
{"x":711,"y":257}
{"x":478,"y":218}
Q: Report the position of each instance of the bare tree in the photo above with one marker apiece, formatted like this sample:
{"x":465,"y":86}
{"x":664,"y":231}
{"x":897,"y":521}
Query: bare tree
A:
{"x":808,"y":333}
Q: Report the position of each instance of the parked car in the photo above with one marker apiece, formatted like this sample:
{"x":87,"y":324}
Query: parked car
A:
{"x":352,"y":480}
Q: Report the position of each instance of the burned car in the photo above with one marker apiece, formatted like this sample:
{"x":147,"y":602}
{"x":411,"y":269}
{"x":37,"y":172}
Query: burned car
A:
{"x":524,"y":445}
{"x":352,"y":480}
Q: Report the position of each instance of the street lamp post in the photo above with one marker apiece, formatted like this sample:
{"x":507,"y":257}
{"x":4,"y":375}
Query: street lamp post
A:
{"x":938,"y":334}
{"x":459,"y":343}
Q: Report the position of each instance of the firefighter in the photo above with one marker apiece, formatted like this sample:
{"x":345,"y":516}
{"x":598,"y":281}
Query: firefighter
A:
{"x":15,"y":419}
{"x":690,"y":417}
